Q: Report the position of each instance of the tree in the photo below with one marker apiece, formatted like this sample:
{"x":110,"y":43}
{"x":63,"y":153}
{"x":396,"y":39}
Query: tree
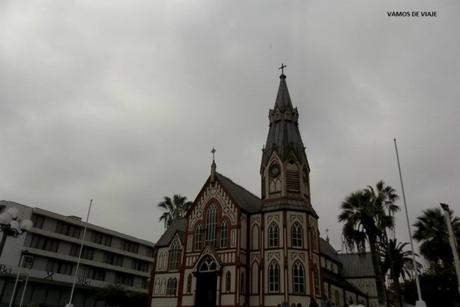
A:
{"x":398,"y":262}
{"x":431,"y":232}
{"x":367,"y":216}
{"x":174,"y":208}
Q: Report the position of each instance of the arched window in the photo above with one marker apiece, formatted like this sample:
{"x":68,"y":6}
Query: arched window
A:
{"x":255,"y":278}
{"x":189,"y":283}
{"x":316,"y":281}
{"x":228,"y":279}
{"x":255,"y":237}
{"x":163,"y":287}
{"x":211,"y":225}
{"x":224,"y":235}
{"x":207,"y":265}
{"x":292,"y":177}
{"x":174,"y":255}
{"x":273,"y":277}
{"x":296,"y":235}
{"x":198,"y":237}
{"x":172,"y":285}
{"x":298,"y":278}
{"x":242,"y":284}
{"x":273,"y":235}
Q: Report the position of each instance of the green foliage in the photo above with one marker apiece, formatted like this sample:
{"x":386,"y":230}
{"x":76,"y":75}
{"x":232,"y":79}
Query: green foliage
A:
{"x":174,"y":208}
{"x":431,"y":232}
{"x":438,"y":289}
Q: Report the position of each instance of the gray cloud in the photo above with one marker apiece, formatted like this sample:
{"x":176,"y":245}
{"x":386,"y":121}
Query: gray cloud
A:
{"x":121,"y":102}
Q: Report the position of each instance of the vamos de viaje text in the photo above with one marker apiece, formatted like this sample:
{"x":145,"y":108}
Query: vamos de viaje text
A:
{"x":412,"y":13}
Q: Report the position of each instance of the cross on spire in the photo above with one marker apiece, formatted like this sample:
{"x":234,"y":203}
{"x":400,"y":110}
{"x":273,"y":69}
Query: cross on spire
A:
{"x":213,"y":151}
{"x":282,"y":68}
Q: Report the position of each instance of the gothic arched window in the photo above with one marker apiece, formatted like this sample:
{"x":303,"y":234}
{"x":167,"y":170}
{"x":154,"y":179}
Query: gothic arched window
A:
{"x":255,"y":278}
{"x":198,"y":237}
{"x":298,"y":278}
{"x":189,"y":283}
{"x":273,"y":277}
{"x":292,"y":177}
{"x":228,"y":279}
{"x":273,"y":235}
{"x":224,"y":234}
{"x":172,"y":285}
{"x":211,"y":225}
{"x":316,"y":281}
{"x":296,"y":235}
{"x":242,"y":284}
{"x":174,"y":255}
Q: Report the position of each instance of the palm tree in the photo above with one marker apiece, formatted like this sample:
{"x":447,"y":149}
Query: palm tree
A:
{"x":174,"y":208}
{"x":397,"y":261}
{"x":367,"y":215}
{"x":431,"y":231}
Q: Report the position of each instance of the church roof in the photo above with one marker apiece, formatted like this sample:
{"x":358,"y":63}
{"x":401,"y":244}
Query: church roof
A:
{"x":246,"y":200}
{"x":327,"y":250}
{"x":283,"y":100}
{"x":177,"y":226}
{"x":339,"y":281}
{"x":357,"y":265}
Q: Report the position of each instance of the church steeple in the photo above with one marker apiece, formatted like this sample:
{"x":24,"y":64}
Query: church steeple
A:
{"x":284,"y":167}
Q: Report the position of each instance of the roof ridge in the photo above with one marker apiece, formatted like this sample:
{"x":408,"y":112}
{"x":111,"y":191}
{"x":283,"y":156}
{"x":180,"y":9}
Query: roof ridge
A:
{"x":225,"y":177}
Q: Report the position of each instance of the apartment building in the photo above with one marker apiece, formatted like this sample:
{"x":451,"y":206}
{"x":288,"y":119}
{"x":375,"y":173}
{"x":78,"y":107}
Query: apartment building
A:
{"x":53,"y":244}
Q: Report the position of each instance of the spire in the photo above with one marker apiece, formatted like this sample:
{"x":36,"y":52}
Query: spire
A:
{"x":283,"y":135}
{"x":283,"y":100}
{"x":213,"y":166}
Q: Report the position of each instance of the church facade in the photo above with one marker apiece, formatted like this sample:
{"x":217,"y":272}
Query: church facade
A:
{"x":236,"y":249}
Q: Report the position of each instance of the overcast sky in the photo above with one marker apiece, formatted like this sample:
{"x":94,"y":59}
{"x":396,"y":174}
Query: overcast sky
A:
{"x":122,"y":101}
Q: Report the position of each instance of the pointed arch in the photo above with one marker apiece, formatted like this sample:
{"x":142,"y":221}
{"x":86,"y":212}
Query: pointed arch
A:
{"x":175,"y":252}
{"x":211,"y":225}
{"x":274,"y":277}
{"x":292,"y":176}
{"x":197,"y":245}
{"x":298,"y":278}
{"x":296,"y":235}
{"x":228,"y":281}
{"x":189,"y":283}
{"x":273,"y":235}
{"x":224,"y":234}
{"x":255,"y":278}
{"x":255,"y":237}
{"x":316,"y":283}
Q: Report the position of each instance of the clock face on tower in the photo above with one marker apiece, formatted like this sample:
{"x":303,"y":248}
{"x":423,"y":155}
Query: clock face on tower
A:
{"x":274,"y":170}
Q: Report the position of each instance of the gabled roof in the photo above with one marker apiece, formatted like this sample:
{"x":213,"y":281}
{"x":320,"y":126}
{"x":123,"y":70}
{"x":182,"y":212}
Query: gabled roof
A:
{"x":357,"y":265}
{"x":338,"y":280}
{"x":327,"y":250}
{"x":246,"y":200}
{"x":177,"y":226}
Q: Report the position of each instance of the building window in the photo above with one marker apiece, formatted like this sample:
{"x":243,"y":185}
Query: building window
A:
{"x":87,"y":253}
{"x":113,"y":259}
{"x":129,"y":246}
{"x":228,"y":280}
{"x":198,"y":237}
{"x":298,"y":278}
{"x":38,"y":221}
{"x":68,"y":229}
{"x":60,"y":267}
{"x":316,"y":281}
{"x":139,"y":265}
{"x":207,"y":265}
{"x":273,"y":235}
{"x":124,"y":279}
{"x":98,"y":274}
{"x":224,"y":235}
{"x":44,"y":243}
{"x":211,"y":226}
{"x":189,"y":283}
{"x":174,"y":256}
{"x":172,"y":284}
{"x":101,"y":238}
{"x":274,"y":277}
{"x":296,"y":235}
{"x":292,"y":177}
{"x":242,"y":284}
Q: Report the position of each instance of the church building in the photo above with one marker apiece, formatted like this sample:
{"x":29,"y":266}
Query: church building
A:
{"x":234,"y":248}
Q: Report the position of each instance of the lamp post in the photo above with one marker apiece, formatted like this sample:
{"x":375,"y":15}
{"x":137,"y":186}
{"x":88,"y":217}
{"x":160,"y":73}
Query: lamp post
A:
{"x":453,"y":241}
{"x":12,"y":225}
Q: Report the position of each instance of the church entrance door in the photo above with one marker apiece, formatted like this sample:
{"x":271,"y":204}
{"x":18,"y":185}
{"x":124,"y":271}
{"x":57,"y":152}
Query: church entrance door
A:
{"x":206,"y":287}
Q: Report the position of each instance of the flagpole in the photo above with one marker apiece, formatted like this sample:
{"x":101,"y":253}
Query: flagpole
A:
{"x":79,"y":256}
{"x":420,"y":302}
{"x":453,"y":242}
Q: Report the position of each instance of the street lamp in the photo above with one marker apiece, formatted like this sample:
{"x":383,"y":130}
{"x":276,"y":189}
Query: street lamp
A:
{"x":12,"y":225}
